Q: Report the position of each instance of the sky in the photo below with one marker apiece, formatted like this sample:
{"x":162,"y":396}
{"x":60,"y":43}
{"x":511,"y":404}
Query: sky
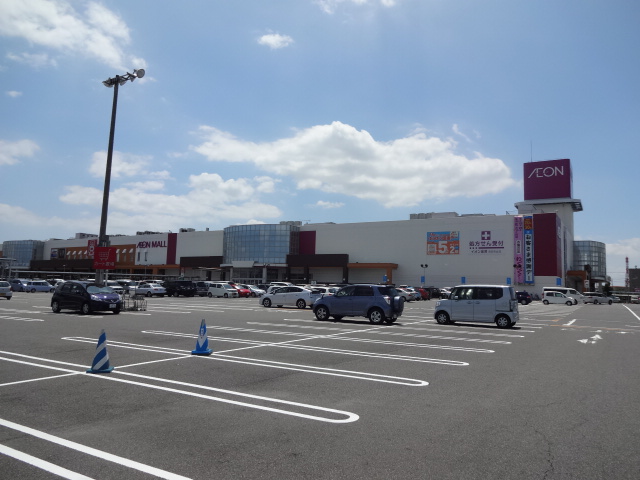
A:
{"x":341,"y":111}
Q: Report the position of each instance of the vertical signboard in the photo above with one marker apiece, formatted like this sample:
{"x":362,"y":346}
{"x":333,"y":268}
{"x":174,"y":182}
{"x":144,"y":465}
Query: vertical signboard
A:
{"x":528,"y":249}
{"x":91,"y":247}
{"x":518,"y":248}
{"x":443,"y":243}
{"x":104,"y":258}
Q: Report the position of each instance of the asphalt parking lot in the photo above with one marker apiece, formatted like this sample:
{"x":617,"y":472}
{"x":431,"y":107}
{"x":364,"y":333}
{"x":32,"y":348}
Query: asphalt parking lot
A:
{"x":286,"y":396}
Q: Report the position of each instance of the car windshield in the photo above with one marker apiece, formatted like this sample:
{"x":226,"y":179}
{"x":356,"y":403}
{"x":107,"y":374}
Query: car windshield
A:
{"x":98,"y":289}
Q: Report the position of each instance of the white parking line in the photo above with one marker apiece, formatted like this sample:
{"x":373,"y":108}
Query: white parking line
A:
{"x":42,"y":464}
{"x":92,"y":451}
{"x":632,"y":312}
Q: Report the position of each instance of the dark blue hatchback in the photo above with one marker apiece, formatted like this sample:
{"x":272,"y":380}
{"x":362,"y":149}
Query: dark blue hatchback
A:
{"x":86,"y":297}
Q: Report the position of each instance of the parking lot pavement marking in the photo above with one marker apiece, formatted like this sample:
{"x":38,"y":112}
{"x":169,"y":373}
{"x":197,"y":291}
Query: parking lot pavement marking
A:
{"x":418,"y":345}
{"x":156,"y":472}
{"x":571,"y":322}
{"x":21,"y":319}
{"x":632,"y":312}
{"x":441,"y":337}
{"x":42,"y":464}
{"x":338,"y":416}
{"x":252,"y":361}
{"x":287,"y":344}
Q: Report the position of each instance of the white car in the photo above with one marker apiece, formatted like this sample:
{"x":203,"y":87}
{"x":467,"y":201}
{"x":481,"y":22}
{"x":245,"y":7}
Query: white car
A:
{"x":5,"y":290}
{"x":115,"y":286}
{"x":150,"y":289}
{"x":596,"y":298}
{"x":290,"y":296}
{"x":556,"y":297}
{"x":255,"y":291}
{"x":38,"y":286}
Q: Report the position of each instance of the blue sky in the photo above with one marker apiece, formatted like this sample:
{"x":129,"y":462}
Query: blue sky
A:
{"x":260,"y":111}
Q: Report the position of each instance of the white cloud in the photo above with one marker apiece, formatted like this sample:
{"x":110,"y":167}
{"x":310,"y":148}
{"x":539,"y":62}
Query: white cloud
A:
{"x":122,"y":165}
{"x":457,"y":131}
{"x":96,"y":33}
{"x":35,"y":60}
{"x":328,"y":205}
{"x":13,"y":94}
{"x":329,"y":6}
{"x":275,"y":40}
{"x":10,"y":152}
{"x":337,"y":158}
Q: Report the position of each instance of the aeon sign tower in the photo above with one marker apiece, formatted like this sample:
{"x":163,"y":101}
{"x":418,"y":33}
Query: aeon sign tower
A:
{"x":548,"y":179}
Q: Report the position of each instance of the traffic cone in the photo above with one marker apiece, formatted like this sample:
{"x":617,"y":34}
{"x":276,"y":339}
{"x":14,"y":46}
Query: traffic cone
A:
{"x":202,"y":345}
{"x":101,"y":360}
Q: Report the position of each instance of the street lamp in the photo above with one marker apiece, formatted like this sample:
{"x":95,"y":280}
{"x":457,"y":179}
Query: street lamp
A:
{"x":103,"y":240}
{"x":424,"y":273}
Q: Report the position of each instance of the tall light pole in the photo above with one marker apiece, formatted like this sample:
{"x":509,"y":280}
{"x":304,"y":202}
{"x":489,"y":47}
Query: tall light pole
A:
{"x":103,"y":240}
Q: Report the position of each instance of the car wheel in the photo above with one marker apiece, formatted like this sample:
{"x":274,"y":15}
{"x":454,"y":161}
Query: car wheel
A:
{"x":503,"y":321}
{"x":523,"y":302}
{"x":443,"y":318}
{"x":610,"y":302}
{"x":51,"y":290}
{"x":376,"y":316}
{"x":226,"y":295}
{"x":322,"y":313}
{"x":175,"y":294}
{"x":595,"y":302}
{"x":398,"y":304}
{"x":253,"y":294}
{"x":301,"y":304}
{"x":148,"y":294}
{"x":33,"y":290}
{"x":85,"y":309}
{"x":546,"y":302}
{"x":210,"y":295}
{"x":116,"y":311}
{"x":570,"y":303}
{"x":55,"y":306}
{"x":266,"y":303}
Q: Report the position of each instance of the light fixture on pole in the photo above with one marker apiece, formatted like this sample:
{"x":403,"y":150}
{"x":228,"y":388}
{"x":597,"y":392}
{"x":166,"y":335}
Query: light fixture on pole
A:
{"x":424,"y":273}
{"x":103,"y":240}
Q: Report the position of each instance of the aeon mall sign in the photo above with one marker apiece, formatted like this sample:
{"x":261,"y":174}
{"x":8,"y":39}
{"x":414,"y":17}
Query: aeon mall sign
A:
{"x":548,"y":179}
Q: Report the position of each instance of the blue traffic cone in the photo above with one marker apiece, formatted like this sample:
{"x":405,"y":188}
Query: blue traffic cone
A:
{"x":202,"y":345}
{"x":101,"y":360}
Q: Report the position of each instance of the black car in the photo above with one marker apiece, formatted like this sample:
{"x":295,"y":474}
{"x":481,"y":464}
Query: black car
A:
{"x":524,"y":297}
{"x":180,"y":287}
{"x":86,"y":297}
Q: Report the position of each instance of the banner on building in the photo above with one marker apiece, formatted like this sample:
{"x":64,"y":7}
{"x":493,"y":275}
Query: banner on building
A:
{"x":486,"y":242}
{"x":443,"y":243}
{"x":528,"y":249}
{"x":91,"y":247}
{"x":104,"y":258}
{"x":518,"y":249}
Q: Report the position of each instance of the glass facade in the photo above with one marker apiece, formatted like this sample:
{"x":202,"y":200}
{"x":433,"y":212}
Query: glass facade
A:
{"x":587,"y":252}
{"x":23,"y":251}
{"x":261,"y":243}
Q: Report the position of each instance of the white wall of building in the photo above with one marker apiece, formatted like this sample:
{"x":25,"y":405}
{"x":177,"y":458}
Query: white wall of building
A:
{"x":199,"y":244}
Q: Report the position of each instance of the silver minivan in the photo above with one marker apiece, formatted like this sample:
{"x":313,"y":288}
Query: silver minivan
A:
{"x":221,"y":289}
{"x":479,"y":303}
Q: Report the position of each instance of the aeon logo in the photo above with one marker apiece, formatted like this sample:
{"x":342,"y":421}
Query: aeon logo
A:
{"x":542,"y":172}
{"x":152,"y":244}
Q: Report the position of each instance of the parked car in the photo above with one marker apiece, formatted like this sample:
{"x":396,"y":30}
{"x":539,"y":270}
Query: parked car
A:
{"x":18,"y":284}
{"x":290,"y":296}
{"x":180,"y":287}
{"x":615,"y":298}
{"x":479,"y":303}
{"x":33,"y":286}
{"x":119,"y":289}
{"x":323,"y":290}
{"x":572,"y":293}
{"x":151,"y":289}
{"x":222,"y":289}
{"x":5,"y":290}
{"x":425,"y":293}
{"x":524,"y":297}
{"x":255,"y":291}
{"x":596,"y":298}
{"x":379,"y":303}
{"x":86,"y":297}
{"x":634,"y":299}
{"x":556,"y":297}
{"x":408,"y":297}
{"x":242,"y":291}
{"x":202,"y":287}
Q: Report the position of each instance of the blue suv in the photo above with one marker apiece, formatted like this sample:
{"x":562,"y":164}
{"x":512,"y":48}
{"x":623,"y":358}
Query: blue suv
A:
{"x":379,"y":303}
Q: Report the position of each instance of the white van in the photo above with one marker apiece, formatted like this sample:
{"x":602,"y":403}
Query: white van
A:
{"x":222,"y":289}
{"x":556,"y":297}
{"x":479,"y":303}
{"x":572,"y":293}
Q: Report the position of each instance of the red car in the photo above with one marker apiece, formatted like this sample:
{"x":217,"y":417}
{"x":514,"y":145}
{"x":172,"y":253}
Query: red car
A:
{"x":242,"y":292}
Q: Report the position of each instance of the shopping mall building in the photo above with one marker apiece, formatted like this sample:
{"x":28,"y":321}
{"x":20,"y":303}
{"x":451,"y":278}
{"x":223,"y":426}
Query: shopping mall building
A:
{"x":529,"y":249}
